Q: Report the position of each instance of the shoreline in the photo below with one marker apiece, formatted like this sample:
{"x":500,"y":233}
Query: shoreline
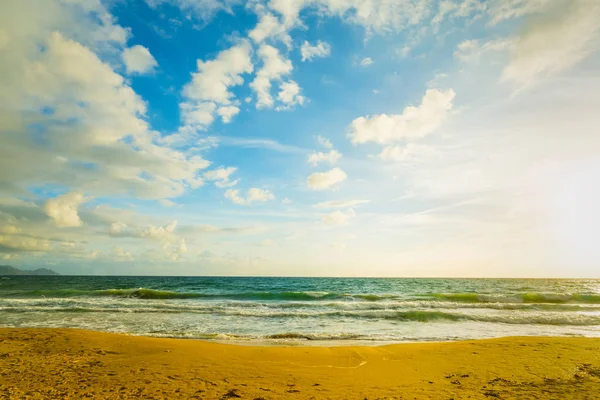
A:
{"x":302,"y":341}
{"x":70,"y":363}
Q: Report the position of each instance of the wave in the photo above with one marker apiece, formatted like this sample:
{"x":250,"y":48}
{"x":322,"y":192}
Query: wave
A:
{"x":527,"y":318}
{"x":463,"y":298}
{"x":143,"y":293}
{"x":541,"y":298}
{"x":134,"y":305}
{"x":313,"y":336}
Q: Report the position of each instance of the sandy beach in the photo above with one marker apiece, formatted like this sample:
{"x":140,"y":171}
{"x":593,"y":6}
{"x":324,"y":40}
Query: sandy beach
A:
{"x":74,"y":364}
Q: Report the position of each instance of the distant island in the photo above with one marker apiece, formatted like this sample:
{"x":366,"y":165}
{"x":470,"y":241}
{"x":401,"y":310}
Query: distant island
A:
{"x":8,"y":270}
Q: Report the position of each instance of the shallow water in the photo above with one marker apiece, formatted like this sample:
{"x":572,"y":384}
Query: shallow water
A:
{"x":298,"y":309}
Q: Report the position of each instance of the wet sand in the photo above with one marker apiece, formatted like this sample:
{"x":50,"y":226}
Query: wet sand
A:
{"x":77,"y":364}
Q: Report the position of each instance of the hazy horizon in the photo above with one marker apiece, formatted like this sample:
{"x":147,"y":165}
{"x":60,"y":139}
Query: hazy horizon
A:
{"x":334,"y":138}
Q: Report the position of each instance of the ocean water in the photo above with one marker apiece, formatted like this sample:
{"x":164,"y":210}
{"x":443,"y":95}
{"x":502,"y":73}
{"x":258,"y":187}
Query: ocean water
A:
{"x":304,"y":310}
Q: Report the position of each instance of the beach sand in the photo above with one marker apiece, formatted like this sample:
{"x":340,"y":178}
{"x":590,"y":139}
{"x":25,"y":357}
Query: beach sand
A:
{"x":78,"y":364}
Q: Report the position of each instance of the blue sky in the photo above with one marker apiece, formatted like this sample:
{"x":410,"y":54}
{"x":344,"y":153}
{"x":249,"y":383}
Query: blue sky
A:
{"x":300,"y":137}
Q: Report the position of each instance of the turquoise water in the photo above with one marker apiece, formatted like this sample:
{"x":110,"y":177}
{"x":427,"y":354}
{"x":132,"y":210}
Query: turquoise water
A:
{"x":257,"y":309}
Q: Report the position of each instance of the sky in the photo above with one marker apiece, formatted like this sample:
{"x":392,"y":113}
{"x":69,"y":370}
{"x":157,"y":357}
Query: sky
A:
{"x":442,"y":138}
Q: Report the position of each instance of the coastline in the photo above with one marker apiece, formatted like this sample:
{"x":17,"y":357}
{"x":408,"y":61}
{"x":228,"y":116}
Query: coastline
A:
{"x":72,"y":363}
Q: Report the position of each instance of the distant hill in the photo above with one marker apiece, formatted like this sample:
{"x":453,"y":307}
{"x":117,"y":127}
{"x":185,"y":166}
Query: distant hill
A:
{"x":8,"y":270}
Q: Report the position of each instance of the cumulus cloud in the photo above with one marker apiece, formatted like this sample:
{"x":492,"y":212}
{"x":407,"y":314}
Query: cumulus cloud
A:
{"x":253,"y":195}
{"x":414,"y":122}
{"x":565,"y":36}
{"x":209,"y":91}
{"x":365,"y":62}
{"x":227,"y":113}
{"x":274,"y":67}
{"x":13,"y":245}
{"x":289,"y":95}
{"x":341,"y":203}
{"x":63,"y":209}
{"x":159,"y":232}
{"x":319,"y":50}
{"x":116,"y":228}
{"x":221,"y":176}
{"x":90,"y":117}
{"x":324,"y":142}
{"x":270,"y":26}
{"x":338,"y":217}
{"x":164,"y":234}
{"x":332,"y":157}
{"x":138,"y":60}
{"x":325,"y":180}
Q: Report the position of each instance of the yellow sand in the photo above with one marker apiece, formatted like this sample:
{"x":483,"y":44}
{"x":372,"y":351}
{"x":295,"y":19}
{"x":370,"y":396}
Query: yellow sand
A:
{"x":76,"y":364}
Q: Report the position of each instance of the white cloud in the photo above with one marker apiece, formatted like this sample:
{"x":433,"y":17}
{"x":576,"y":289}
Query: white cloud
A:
{"x":414,"y":122}
{"x":160,"y":232}
{"x":278,"y":17}
{"x":410,"y":152}
{"x":176,"y":251}
{"x":436,"y":80}
{"x":324,"y":142}
{"x":96,"y":120}
{"x":227,"y":113}
{"x":377,"y":15}
{"x":167,"y":203}
{"x":270,"y":26}
{"x":320,"y":50}
{"x":325,"y":180}
{"x":138,"y":60}
{"x":289,"y":95}
{"x":404,"y":51}
{"x":500,"y":10}
{"x":365,"y":62}
{"x":471,"y":51}
{"x":262,"y":195}
{"x":204,"y":10}
{"x":260,"y":143}
{"x":116,"y":228}
{"x":63,"y":209}
{"x":338,"y":217}
{"x":340,"y":203}
{"x":121,"y":255}
{"x":253,"y":195}
{"x":332,"y":157}
{"x":214,"y":77}
{"x":459,"y":9}
{"x":210,"y":87}
{"x":221,"y":176}
{"x":565,"y":36}
{"x":274,"y":68}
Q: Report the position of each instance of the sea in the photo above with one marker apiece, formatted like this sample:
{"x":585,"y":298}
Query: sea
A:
{"x":270,"y":310}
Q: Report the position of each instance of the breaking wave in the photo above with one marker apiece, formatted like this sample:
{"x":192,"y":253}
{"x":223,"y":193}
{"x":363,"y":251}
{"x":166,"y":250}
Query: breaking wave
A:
{"x":153,"y":294}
